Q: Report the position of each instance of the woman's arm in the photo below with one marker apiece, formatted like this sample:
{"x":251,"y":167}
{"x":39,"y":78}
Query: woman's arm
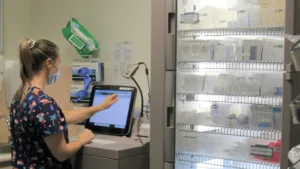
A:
{"x":51,"y":126}
{"x":63,"y":151}
{"x":79,"y":115}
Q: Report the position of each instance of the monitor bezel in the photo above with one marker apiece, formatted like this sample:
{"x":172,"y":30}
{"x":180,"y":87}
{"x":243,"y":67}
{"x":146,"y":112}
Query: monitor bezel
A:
{"x":110,"y":130}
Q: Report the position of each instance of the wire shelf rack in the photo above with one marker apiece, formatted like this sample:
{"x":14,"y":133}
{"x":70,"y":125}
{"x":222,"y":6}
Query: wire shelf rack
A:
{"x":269,"y":30}
{"x":216,"y":161}
{"x":258,"y":100}
{"x":233,"y":131}
{"x":234,"y":65}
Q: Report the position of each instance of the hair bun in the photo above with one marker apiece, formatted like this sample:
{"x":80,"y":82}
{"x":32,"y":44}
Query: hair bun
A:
{"x":31,"y":43}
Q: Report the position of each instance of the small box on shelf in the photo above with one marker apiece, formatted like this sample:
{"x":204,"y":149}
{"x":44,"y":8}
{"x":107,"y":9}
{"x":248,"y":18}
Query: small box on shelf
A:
{"x":272,"y":85}
{"x":249,"y":49}
{"x":223,"y":18}
{"x":198,"y":50}
{"x":188,"y":83}
{"x":224,"y":50}
{"x":273,"y":49}
{"x":272,"y":3}
{"x":246,"y":17}
{"x":272,"y":16}
{"x":206,"y":18}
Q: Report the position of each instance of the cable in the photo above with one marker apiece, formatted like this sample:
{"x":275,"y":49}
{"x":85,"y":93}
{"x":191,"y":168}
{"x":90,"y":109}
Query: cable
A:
{"x":140,"y":139}
{"x":139,"y":118}
{"x":147,"y":74}
{"x":142,"y":97}
{"x":138,"y":130}
{"x":148,"y":81}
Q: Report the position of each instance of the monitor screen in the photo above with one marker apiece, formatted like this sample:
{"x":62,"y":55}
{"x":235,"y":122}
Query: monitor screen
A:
{"x":115,"y":116}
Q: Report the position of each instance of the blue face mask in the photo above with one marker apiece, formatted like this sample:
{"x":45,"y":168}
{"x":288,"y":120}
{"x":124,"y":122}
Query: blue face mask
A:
{"x":53,"y":77}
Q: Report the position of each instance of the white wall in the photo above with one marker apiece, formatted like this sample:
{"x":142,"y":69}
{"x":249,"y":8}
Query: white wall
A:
{"x":107,"y":20}
{"x":16,"y":25}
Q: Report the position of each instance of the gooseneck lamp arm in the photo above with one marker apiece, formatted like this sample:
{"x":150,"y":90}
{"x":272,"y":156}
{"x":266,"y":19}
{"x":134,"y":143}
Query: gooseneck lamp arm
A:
{"x":142,"y":97}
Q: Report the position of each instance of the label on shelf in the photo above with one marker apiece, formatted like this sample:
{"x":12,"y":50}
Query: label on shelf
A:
{"x":261,"y":150}
{"x":189,"y":18}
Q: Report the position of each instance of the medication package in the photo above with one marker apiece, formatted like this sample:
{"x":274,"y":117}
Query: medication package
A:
{"x":247,"y":17}
{"x":218,"y":113}
{"x":249,"y":49}
{"x":272,"y":12}
{"x":264,"y":150}
{"x":273,"y":49}
{"x":80,"y":38}
{"x":272,"y":85}
{"x":190,"y":83}
{"x":265,"y":117}
{"x":229,"y":115}
{"x":224,"y":50}
{"x":236,"y":84}
{"x":198,"y":50}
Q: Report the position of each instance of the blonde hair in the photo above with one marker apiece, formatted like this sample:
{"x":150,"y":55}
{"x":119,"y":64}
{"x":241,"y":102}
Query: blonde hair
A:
{"x":32,"y":56}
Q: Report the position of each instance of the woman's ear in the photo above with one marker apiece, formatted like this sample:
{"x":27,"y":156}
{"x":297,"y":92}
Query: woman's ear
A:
{"x":49,"y":63}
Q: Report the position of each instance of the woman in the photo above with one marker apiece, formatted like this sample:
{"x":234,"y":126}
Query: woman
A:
{"x":39,"y":128}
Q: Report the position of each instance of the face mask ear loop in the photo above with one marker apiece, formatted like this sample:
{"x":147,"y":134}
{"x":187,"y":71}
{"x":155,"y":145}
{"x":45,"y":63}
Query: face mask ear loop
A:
{"x":53,"y":63}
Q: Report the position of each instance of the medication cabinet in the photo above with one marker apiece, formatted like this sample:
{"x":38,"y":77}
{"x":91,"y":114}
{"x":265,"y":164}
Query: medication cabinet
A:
{"x":223,"y":65}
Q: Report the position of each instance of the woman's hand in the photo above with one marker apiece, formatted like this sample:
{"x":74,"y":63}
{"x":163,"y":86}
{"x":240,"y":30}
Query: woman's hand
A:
{"x":86,"y":136}
{"x":108,"y":101}
{"x":76,"y":116}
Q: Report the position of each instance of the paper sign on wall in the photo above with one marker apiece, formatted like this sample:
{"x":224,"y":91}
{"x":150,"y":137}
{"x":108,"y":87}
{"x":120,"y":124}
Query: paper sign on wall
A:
{"x":122,"y":56}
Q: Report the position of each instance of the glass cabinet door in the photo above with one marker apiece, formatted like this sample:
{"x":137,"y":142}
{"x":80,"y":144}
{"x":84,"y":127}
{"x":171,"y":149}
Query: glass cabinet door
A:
{"x":229,"y":83}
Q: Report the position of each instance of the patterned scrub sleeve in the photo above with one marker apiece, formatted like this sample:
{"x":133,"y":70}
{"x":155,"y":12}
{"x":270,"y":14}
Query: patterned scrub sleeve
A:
{"x":48,"y":117}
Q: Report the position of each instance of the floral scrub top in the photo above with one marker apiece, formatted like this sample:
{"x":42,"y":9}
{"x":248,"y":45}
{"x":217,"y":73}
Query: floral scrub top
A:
{"x":39,"y":116}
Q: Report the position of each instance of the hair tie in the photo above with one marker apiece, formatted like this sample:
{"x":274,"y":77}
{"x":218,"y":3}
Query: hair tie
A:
{"x":31,"y":43}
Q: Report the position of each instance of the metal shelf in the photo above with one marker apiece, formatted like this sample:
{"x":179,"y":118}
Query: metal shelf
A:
{"x":233,"y":131}
{"x":246,"y":164}
{"x":270,"y":30}
{"x":233,"y":65}
{"x":258,"y":100}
